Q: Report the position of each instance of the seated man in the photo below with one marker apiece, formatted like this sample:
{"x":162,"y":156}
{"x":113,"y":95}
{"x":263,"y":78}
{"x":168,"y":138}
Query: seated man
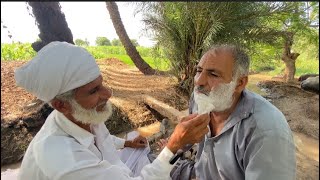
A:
{"x":249,"y":138}
{"x":74,"y":142}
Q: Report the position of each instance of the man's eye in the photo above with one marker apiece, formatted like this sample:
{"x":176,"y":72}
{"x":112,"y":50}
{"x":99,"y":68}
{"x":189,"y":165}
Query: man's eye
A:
{"x":198,"y":71}
{"x":213,"y":74}
{"x":93,"y":91}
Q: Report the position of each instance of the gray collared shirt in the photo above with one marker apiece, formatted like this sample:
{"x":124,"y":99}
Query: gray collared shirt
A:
{"x":256,"y":143}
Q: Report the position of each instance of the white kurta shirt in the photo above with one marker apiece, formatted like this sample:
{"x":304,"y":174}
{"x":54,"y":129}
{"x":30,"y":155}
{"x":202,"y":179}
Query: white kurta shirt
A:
{"x":62,"y":150}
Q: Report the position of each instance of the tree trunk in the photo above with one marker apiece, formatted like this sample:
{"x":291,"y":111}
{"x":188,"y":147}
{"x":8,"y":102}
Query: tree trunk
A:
{"x":187,"y":82}
{"x":51,"y":22}
{"x":124,"y":38}
{"x":289,"y":58}
{"x":290,"y":71}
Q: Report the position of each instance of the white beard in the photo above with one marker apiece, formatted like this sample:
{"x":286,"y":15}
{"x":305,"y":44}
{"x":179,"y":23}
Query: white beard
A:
{"x":219,"y":98}
{"x":91,"y":116}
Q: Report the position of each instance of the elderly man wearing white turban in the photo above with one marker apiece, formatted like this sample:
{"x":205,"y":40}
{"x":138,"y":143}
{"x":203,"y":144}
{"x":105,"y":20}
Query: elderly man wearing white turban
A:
{"x":74,"y":143}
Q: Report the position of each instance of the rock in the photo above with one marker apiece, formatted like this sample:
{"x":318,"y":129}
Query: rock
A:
{"x":306,"y":76}
{"x":311,"y":84}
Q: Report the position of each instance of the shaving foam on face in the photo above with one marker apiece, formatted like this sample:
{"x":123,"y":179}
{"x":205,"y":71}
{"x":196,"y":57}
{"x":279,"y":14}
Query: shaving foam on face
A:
{"x":204,"y":103}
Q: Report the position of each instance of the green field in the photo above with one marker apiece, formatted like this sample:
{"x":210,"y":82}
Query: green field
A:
{"x":17,"y":51}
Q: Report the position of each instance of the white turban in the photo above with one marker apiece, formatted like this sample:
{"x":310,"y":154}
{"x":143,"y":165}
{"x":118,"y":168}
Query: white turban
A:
{"x":57,"y":68}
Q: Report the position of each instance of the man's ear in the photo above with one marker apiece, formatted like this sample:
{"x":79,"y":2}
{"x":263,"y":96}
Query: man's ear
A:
{"x":62,"y":106}
{"x":241,"y":83}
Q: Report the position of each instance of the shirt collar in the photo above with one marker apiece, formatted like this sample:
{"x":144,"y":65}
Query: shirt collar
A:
{"x":245,"y":106}
{"x":84,"y":137}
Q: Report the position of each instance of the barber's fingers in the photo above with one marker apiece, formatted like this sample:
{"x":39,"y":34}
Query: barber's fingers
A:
{"x":202,"y":129}
{"x":143,"y":140}
{"x":137,"y":139}
{"x":140,"y":145}
{"x":201,"y":132}
{"x":204,"y":124}
{"x":200,"y":120}
{"x":140,"y":139}
{"x":187,"y":118}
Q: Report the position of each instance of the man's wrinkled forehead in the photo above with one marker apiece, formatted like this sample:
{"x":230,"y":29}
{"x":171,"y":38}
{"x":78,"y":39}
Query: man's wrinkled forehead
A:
{"x":219,"y":54}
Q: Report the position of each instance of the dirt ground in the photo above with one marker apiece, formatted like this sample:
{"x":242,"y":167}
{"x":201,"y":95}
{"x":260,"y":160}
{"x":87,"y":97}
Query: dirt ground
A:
{"x":301,"y":108}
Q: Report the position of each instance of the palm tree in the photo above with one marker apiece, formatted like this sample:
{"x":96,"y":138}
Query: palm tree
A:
{"x":125,"y":40}
{"x":51,"y":22}
{"x":184,"y":33}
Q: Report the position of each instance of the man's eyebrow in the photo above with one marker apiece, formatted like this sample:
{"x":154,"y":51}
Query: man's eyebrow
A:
{"x":214,"y":71}
{"x":210,"y":70}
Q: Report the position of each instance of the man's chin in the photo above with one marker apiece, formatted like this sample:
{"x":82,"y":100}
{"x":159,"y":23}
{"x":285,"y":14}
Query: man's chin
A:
{"x":207,"y":104}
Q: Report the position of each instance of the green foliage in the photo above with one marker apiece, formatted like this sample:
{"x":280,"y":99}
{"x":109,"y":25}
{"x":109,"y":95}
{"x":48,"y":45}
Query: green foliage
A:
{"x":314,"y":12}
{"x":264,"y":57}
{"x":303,"y":67}
{"x":116,"y":42}
{"x":307,"y":67}
{"x":308,"y":48}
{"x":80,"y":42}
{"x":268,"y":58}
{"x":259,"y":27}
{"x":16,"y":51}
{"x":184,"y":33}
{"x":103,"y":41}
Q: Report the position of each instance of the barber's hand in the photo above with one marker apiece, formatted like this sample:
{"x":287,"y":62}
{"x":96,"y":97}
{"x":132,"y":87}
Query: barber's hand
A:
{"x":191,"y":129}
{"x":138,"y":142}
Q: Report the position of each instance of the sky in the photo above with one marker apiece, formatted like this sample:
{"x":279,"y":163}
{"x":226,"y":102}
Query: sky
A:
{"x":85,"y":19}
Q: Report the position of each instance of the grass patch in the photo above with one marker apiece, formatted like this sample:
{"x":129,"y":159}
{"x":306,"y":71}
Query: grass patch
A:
{"x":16,"y":52}
{"x":307,"y":66}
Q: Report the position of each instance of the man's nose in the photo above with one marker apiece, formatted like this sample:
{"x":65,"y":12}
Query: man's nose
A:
{"x":200,"y":79}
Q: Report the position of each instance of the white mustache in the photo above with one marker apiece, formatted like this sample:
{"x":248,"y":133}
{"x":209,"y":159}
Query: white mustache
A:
{"x":103,"y":103}
{"x":200,"y":89}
